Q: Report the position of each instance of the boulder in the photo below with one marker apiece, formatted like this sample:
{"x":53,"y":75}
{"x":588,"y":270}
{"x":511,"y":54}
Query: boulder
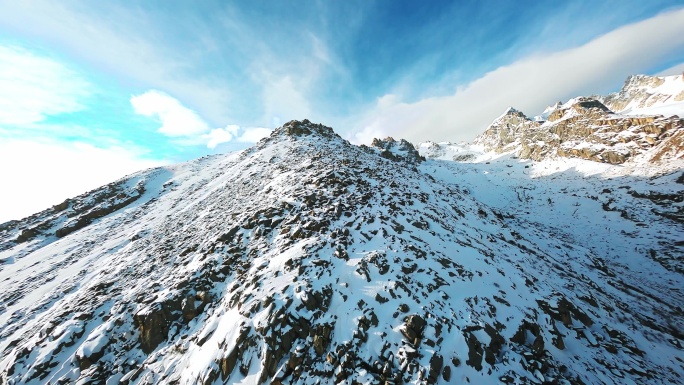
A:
{"x":436,"y":363}
{"x":413,"y":328}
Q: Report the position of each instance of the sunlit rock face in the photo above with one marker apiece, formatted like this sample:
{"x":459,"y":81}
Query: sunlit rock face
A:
{"x":642,"y":91}
{"x":644,"y":119}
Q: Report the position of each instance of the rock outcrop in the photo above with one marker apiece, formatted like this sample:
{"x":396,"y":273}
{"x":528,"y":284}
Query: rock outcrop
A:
{"x":398,"y":150}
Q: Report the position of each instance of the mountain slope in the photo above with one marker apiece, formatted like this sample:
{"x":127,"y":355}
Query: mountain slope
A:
{"x":306,"y":259}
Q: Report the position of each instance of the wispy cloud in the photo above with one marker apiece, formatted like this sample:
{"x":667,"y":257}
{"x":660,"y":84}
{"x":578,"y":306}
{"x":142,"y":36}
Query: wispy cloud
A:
{"x":125,"y":42}
{"x":254,"y":134}
{"x":186,"y":126}
{"x":284,"y":100}
{"x":221,"y":135}
{"x":175,"y":118}
{"x":225,"y":65}
{"x":34,"y":87}
{"x":530,"y":84}
{"x":235,"y":133}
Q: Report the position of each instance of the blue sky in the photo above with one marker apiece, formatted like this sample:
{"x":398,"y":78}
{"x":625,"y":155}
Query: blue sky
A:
{"x":91,"y":91}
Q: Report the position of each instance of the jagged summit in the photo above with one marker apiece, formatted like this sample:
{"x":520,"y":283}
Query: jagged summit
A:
{"x":641,"y":81}
{"x":547,"y":111}
{"x":397,"y":150}
{"x":505,"y":131}
{"x":581,"y":106}
{"x":553,"y":107}
{"x":510,"y":111}
{"x":301,"y":128}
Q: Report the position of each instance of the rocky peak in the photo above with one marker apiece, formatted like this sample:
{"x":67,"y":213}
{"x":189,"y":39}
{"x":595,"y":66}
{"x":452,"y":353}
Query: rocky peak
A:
{"x":554,"y":107}
{"x":583,"y":106}
{"x":547,"y":111}
{"x":302,"y":128}
{"x":505,"y":130}
{"x":642,"y":81}
{"x":511,"y":117}
{"x":397,"y":150}
{"x":512,"y":113}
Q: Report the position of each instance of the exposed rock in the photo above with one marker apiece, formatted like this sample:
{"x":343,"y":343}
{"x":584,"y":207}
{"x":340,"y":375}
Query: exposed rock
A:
{"x":321,"y":338}
{"x":413,"y":328}
{"x":436,"y":363}
{"x":320,"y":300}
{"x":475,"y":351}
{"x":26,"y":235}
{"x":496,"y":343}
{"x":639,"y":91}
{"x":188,"y":308}
{"x":87,"y":218}
{"x":534,"y":339}
{"x":446,"y":373}
{"x":62,"y":206}
{"x":400,"y":150}
{"x":295,"y":128}
{"x":228,"y":362}
{"x":153,"y":327}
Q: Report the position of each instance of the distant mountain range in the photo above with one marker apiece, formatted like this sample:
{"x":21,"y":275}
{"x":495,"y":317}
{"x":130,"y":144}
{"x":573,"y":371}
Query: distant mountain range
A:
{"x":641,"y":121}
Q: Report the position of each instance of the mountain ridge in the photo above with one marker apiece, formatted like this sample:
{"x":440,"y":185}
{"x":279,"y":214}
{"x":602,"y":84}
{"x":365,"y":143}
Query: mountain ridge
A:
{"x":629,"y":125}
{"x":306,"y":259}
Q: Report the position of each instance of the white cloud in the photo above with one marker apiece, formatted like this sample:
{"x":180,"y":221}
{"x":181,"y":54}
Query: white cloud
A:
{"x":221,"y":135}
{"x":47,"y":172}
{"x":283,"y":99}
{"x":176,"y":119}
{"x":254,"y":134}
{"x":186,"y":126}
{"x":34,"y":87}
{"x":230,"y":132}
{"x":533,"y":82}
{"x":123,"y":41}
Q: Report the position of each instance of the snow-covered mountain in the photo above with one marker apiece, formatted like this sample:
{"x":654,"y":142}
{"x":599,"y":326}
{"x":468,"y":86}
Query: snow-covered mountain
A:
{"x":648,"y":95}
{"x":308,"y":260}
{"x":645,"y":120}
